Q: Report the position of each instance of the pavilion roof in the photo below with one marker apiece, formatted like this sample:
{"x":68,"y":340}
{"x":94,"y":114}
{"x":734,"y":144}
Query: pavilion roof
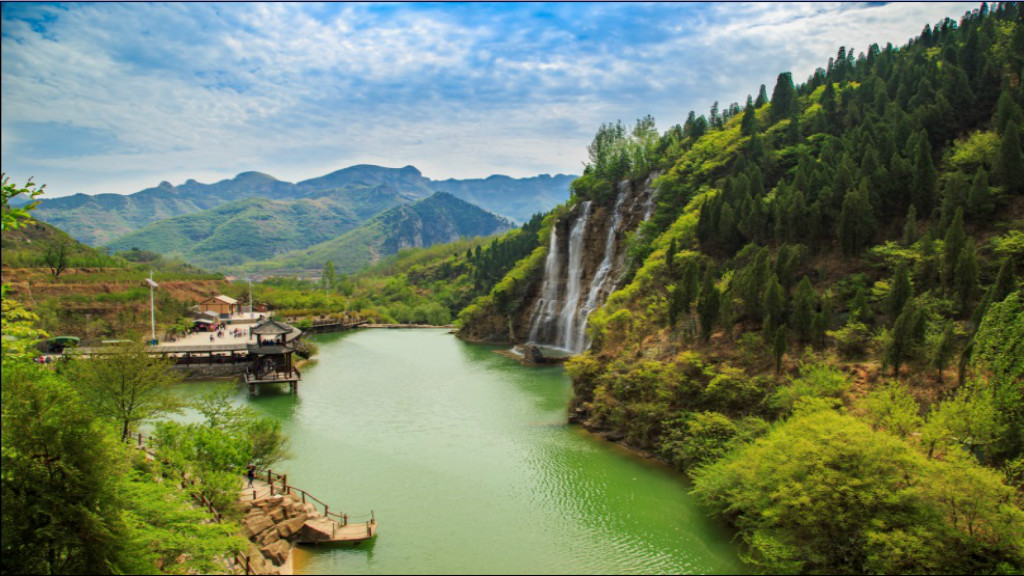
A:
{"x":270,"y":327}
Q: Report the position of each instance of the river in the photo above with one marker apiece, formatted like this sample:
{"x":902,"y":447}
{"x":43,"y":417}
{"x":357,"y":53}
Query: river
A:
{"x":466,"y":459}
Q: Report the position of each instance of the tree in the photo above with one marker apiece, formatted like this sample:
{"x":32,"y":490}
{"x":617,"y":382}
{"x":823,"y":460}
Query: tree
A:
{"x":749,"y":124}
{"x":128,"y":385}
{"x":783,"y":97}
{"x":952,"y":245}
{"x":944,"y":349}
{"x":910,"y":228}
{"x":1010,"y":166}
{"x":329,"y":277}
{"x":967,"y":276}
{"x":979,"y":199}
{"x":805,"y":301}
{"x":900,"y":290}
{"x":709,"y":304}
{"x":779,"y":348}
{"x":56,"y":255}
{"x":857,"y":222}
{"x":922,"y":191}
{"x":61,"y":508}
{"x":762,"y":97}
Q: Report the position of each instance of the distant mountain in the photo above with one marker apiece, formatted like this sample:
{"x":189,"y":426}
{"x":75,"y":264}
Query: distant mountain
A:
{"x":103,"y":218}
{"x":257,"y":229}
{"x":99,"y":219}
{"x":440,"y":218}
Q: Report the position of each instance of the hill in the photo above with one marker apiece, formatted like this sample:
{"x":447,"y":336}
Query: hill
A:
{"x":821,"y":319}
{"x":258,"y":229}
{"x":103,"y":218}
{"x":438,"y":219}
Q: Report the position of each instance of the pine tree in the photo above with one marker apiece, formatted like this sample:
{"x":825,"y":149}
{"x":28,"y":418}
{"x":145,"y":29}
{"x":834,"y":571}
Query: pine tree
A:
{"x":749,"y":124}
{"x":762,"y":97}
{"x":910,"y":228}
{"x":979,"y":199}
{"x":944,"y":350}
{"x":779,"y":348}
{"x":900,"y":290}
{"x":857,"y":223}
{"x":902,"y":338}
{"x":1006,"y":282}
{"x":1010,"y":167}
{"x":709,"y":304}
{"x":1006,"y":111}
{"x":774,"y":304}
{"x":922,"y":192}
{"x":967,"y":276}
{"x":953,"y":244}
{"x":805,"y":301}
{"x":783,"y":97}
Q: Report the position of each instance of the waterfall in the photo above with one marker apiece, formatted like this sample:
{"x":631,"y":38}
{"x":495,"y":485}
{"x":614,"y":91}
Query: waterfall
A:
{"x":603,"y":275}
{"x":544,"y":309}
{"x":574,"y":276}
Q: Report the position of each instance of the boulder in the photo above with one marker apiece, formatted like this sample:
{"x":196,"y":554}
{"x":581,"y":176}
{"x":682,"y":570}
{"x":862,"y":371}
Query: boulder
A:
{"x":277,"y":515}
{"x":291,"y":526}
{"x":276,"y":552}
{"x":255,"y":524}
{"x":269,"y":537}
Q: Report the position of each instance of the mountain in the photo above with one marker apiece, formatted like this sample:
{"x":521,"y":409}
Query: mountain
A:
{"x":99,"y":219}
{"x":258,"y":229}
{"x":103,"y":218}
{"x":437,"y":219}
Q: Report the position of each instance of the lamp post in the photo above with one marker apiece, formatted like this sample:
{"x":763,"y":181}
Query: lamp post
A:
{"x":152,"y":308}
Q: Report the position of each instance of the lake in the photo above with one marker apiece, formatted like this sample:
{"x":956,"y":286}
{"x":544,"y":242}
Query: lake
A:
{"x":467,"y":461}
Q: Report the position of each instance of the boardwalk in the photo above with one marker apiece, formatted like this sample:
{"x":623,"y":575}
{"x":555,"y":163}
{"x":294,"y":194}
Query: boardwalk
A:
{"x":321,"y":527}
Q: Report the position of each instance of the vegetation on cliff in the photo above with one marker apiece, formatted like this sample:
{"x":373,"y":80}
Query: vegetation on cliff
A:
{"x":822,"y":319}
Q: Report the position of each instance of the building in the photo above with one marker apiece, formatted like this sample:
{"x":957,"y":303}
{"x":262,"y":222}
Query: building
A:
{"x":221,"y":305}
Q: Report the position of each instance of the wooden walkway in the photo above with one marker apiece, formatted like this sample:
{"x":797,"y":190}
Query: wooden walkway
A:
{"x":320,"y":528}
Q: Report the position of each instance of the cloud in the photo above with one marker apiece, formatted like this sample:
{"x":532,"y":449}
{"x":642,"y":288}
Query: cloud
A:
{"x":117,"y":96}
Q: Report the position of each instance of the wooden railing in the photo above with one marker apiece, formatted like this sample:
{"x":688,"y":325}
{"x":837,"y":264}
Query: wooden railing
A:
{"x":279,"y":485}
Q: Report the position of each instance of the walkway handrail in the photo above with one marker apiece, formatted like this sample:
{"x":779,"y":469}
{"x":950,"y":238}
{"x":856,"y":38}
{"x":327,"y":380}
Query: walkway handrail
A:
{"x":286,"y":488}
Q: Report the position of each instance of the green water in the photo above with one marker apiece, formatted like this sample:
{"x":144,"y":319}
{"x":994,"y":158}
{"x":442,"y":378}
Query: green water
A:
{"x":469,"y":466}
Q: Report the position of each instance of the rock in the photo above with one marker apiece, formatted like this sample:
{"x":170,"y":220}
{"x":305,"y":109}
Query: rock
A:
{"x":277,"y":514}
{"x":291,"y":526}
{"x":255,"y":524}
{"x":270,"y":536}
{"x":276,"y":552}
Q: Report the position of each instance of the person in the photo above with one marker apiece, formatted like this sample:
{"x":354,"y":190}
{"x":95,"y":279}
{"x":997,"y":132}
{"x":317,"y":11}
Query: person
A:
{"x":251,"y":473}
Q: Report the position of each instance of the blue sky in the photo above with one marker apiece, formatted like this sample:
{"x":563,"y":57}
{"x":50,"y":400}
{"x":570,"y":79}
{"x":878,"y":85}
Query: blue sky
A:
{"x":111,"y":97}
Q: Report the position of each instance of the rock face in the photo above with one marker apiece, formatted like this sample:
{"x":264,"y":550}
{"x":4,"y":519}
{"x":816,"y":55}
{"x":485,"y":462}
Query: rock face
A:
{"x":272,"y":525}
{"x":586,"y":257}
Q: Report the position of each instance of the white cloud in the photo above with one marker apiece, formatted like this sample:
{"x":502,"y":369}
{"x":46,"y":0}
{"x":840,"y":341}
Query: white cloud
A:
{"x":115,"y":97}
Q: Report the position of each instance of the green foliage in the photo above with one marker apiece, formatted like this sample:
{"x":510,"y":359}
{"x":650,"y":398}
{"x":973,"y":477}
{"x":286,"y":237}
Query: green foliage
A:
{"x":128,"y":385}
{"x":701,"y":438}
{"x":814,"y":381}
{"x":892,"y":409}
{"x":60,"y":500}
{"x":825,"y":493}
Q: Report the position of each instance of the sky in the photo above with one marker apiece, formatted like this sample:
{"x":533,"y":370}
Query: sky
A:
{"x":117,"y":97}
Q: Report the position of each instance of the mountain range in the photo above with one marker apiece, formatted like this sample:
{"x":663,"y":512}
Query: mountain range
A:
{"x":352,"y":193}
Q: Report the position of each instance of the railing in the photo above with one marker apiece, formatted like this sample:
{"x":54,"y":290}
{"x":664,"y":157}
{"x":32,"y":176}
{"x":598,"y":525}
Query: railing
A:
{"x":279,"y":485}
{"x":241,"y":560}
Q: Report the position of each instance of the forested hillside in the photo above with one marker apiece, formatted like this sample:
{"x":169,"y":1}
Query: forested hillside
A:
{"x":821,"y":321}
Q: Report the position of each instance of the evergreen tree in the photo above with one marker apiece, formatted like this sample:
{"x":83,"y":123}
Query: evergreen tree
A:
{"x":1010,"y":166}
{"x":900,"y":290}
{"x":783,"y":97}
{"x":1007,"y":111}
{"x":944,"y":350}
{"x":762,"y":97}
{"x":805,"y":301}
{"x":709,"y":304}
{"x":1006,"y":282}
{"x":967,"y":275}
{"x":749,"y":124}
{"x":857,"y":223}
{"x":774,"y":304}
{"x":779,"y":348}
{"x":902,"y":338}
{"x":979,"y":199}
{"x":952,"y":245}
{"x":923,"y":184}
{"x":910,"y":228}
